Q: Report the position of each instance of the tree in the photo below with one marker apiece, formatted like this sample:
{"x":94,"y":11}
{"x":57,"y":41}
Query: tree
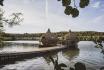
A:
{"x":69,"y":9}
{"x":14,"y":19}
{"x":1,"y":2}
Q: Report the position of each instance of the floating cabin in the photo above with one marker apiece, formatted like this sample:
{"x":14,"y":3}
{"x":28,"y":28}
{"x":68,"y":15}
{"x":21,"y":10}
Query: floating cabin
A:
{"x":49,"y":39}
{"x":70,"y":40}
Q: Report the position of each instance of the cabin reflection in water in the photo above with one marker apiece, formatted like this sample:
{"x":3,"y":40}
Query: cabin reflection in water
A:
{"x":71,"y":54}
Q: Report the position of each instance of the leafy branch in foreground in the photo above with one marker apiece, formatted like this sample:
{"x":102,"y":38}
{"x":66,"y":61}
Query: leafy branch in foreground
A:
{"x":69,"y":9}
{"x":1,"y":2}
{"x":73,"y":10}
{"x":14,"y":19}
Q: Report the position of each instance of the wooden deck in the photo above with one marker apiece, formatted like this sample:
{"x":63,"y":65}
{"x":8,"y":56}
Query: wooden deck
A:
{"x":6,"y":58}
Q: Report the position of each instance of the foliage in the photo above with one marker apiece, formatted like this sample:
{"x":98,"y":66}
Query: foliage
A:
{"x":14,"y":19}
{"x":62,"y":66}
{"x":1,"y":2}
{"x":69,"y":10}
{"x":99,"y":45}
{"x":82,"y":36}
{"x":78,"y":66}
{"x":57,"y":66}
{"x":1,"y":38}
{"x":1,"y":16}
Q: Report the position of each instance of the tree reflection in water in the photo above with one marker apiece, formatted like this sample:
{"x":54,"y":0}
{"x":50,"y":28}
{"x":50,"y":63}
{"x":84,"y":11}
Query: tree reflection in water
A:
{"x":69,"y":54}
{"x":54,"y":59}
{"x":78,"y":66}
{"x":100,"y":45}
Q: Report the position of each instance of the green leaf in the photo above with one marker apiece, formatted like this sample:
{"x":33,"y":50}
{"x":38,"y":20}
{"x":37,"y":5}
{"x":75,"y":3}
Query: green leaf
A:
{"x":66,"y":2}
{"x":84,"y":3}
{"x":74,"y":12}
{"x":68,"y":10}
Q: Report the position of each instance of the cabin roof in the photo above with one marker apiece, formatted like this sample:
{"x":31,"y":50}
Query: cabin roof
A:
{"x":70,"y":35}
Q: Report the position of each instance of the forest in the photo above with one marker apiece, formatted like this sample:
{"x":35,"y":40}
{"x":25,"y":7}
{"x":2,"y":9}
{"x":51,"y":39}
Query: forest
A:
{"x":82,"y":35}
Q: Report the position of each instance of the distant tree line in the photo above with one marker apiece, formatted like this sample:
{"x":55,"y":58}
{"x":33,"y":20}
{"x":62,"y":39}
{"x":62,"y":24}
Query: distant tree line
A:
{"x":84,"y":36}
{"x":25,"y":36}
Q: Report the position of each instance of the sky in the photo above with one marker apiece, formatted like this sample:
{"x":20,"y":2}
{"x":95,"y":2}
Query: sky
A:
{"x":39,"y":15}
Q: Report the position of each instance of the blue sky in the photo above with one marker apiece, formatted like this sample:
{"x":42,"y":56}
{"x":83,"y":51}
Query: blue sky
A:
{"x":40,"y":15}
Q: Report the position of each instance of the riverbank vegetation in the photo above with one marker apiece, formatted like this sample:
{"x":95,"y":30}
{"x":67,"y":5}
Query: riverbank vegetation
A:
{"x":82,"y":36}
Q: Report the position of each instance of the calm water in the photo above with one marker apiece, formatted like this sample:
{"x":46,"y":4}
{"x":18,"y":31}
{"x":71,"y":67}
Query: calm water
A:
{"x":19,"y":46}
{"x":87,"y":54}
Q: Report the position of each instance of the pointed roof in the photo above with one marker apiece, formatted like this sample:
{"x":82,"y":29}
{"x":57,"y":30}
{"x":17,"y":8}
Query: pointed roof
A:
{"x":69,"y":30}
{"x":48,"y":34}
{"x":71,"y":35}
{"x":48,"y":31}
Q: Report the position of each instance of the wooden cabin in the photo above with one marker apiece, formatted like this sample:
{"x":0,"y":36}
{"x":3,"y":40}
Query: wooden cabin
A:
{"x":49,"y":39}
{"x":70,"y":40}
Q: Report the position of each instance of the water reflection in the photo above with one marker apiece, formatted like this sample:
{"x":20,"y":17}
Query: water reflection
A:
{"x":55,"y":61}
{"x":48,"y":55}
{"x":54,"y":58}
{"x":87,"y":55}
{"x":78,"y":66}
{"x":18,"y":46}
{"x":71,"y":54}
{"x":100,"y":45}
{"x":56,"y":64}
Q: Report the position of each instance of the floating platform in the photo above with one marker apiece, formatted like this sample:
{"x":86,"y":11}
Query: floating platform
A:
{"x":6,"y":58}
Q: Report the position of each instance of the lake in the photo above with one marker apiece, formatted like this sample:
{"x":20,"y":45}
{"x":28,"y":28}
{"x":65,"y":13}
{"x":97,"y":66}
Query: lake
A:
{"x":87,"y":54}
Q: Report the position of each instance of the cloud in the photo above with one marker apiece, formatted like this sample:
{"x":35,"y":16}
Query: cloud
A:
{"x":96,"y":4}
{"x":96,"y":23}
{"x":99,"y":19}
